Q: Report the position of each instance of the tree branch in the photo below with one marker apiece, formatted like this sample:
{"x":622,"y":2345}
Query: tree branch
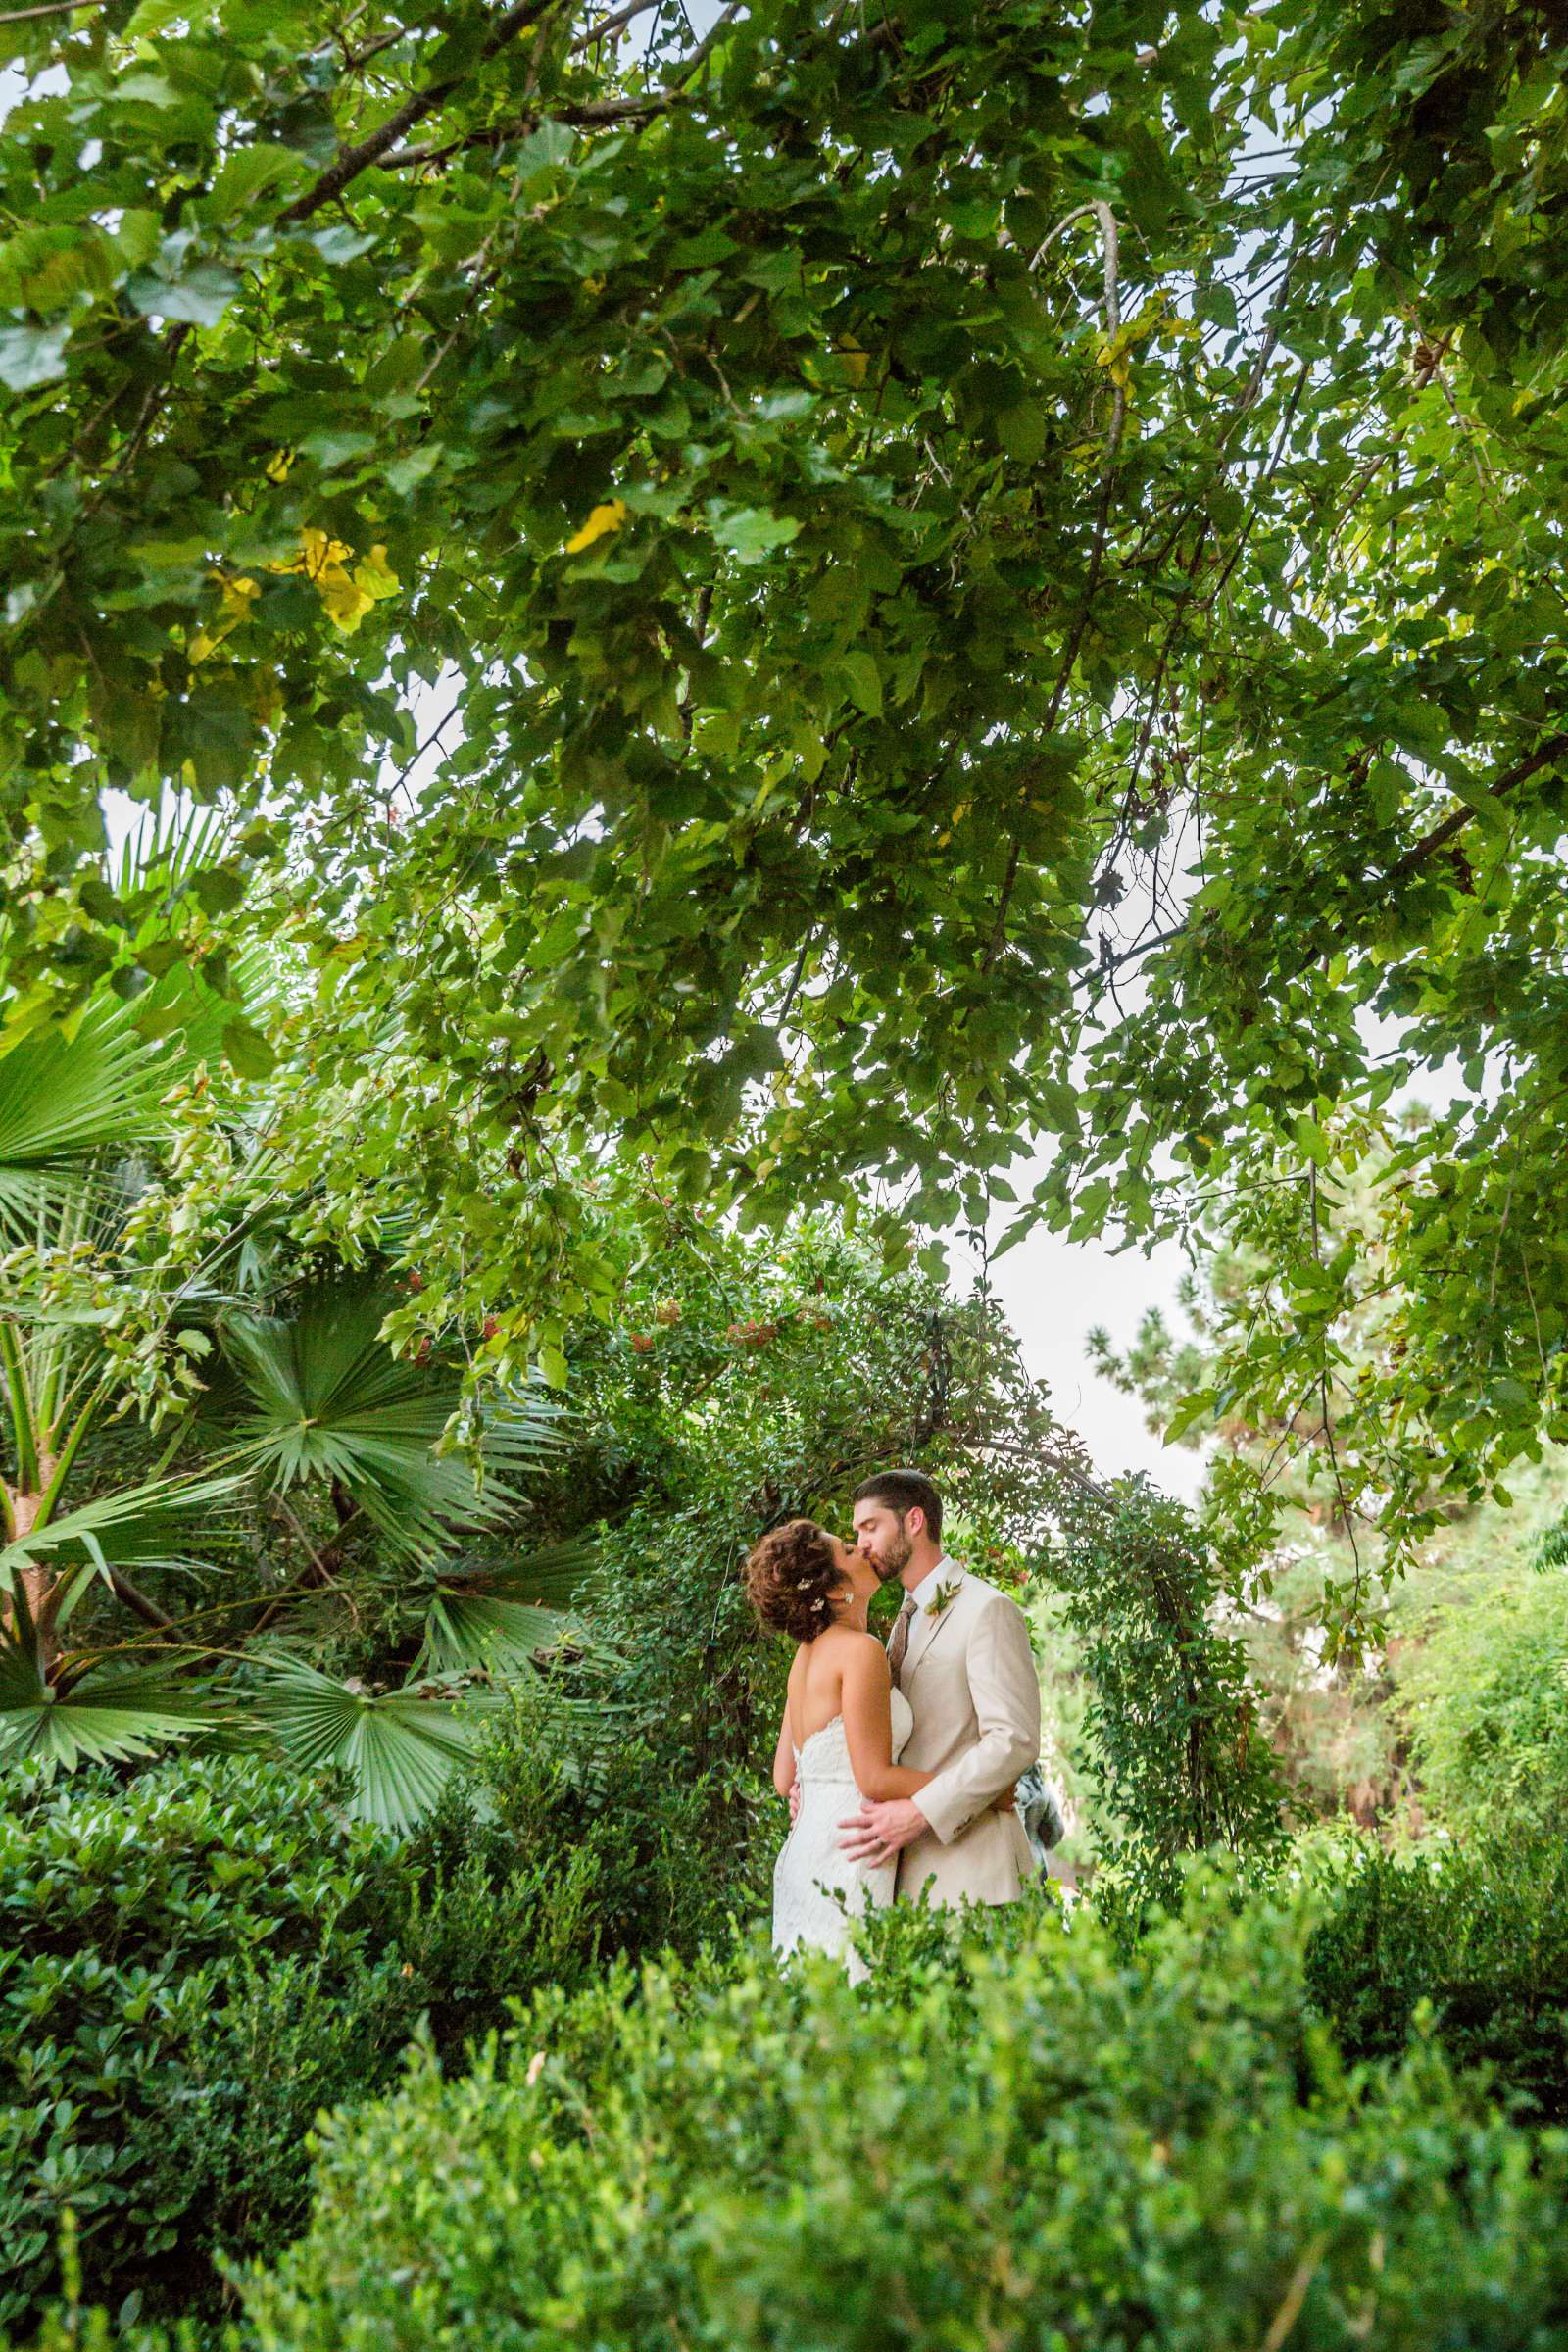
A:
{"x":1554,"y":748}
{"x":138,"y":1603}
{"x":591,"y":116}
{"x":606,"y":25}
{"x":352,"y":161}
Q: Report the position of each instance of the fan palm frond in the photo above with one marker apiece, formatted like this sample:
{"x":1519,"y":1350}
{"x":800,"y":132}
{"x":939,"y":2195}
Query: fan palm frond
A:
{"x":399,"y":1749}
{"x":468,"y":1631}
{"x":324,"y":1399}
{"x":490,"y":1615}
{"x":68,"y":1095}
{"x":106,"y":1717}
{"x":168,"y":849}
{"x":92,"y":1088}
{"x":158,"y":1524}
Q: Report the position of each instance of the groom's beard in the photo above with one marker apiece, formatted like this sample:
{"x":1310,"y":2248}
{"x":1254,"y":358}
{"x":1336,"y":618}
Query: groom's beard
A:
{"x":892,"y":1563}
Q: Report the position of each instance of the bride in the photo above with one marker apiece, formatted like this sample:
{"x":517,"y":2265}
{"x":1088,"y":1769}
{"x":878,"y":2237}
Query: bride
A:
{"x":844,"y":1729}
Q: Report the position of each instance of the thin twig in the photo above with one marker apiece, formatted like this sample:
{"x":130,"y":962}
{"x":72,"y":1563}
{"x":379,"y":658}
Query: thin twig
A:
{"x":610,"y":25}
{"x":352,"y":161}
{"x":45,"y":8}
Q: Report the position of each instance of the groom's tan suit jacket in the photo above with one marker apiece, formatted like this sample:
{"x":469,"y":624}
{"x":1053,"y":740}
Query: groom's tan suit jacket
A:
{"x":969,"y":1676}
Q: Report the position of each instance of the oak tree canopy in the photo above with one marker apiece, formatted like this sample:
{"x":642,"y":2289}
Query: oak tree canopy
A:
{"x":812,"y":604}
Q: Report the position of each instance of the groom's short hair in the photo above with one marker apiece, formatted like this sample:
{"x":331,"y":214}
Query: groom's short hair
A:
{"x":904,"y":1490}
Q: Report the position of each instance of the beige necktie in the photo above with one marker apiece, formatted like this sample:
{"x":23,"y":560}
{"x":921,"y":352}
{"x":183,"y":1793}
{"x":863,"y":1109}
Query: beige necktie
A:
{"x":900,"y":1642}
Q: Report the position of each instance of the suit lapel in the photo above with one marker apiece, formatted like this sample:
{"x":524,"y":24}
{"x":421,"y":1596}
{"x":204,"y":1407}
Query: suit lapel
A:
{"x":928,"y":1629}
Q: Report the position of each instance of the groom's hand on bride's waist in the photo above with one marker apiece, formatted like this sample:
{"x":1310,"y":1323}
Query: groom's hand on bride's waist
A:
{"x":879,"y":1832}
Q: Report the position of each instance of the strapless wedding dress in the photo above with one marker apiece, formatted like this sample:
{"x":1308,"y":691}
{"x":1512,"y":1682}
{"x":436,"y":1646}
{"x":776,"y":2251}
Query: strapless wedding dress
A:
{"x":817,"y":1890}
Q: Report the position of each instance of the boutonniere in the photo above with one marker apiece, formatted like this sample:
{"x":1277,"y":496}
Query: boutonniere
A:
{"x":940,"y":1598}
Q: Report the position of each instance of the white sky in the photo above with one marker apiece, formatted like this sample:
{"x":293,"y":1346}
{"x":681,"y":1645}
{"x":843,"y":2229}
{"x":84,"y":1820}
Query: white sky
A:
{"x":1053,"y":1290}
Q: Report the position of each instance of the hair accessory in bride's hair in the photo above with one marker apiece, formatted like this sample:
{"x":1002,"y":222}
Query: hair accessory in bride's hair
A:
{"x":793,"y":1575}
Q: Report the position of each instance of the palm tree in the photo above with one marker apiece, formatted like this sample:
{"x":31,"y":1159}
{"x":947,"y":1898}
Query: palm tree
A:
{"x":310,"y":1398}
{"x":317,"y":1401}
{"x":75,"y":1105}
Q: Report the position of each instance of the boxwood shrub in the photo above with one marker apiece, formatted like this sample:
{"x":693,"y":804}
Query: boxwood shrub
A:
{"x":1474,"y":1940}
{"x":191,"y":1964}
{"x":197,"y":1959}
{"x":1058,"y":2145}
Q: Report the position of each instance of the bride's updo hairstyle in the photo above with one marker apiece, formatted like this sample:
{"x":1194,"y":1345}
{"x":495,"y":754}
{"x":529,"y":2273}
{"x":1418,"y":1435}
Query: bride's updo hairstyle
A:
{"x":792,"y":1578}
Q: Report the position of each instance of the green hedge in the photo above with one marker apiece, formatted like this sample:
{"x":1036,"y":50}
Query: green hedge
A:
{"x":1055,"y":2146}
{"x":1474,"y":1940}
{"x":196,"y":1960}
{"x":190,"y":1966}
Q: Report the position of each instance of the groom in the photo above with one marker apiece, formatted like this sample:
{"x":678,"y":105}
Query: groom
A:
{"x":960,"y":1652}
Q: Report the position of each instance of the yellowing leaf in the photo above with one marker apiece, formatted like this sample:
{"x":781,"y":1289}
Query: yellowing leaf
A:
{"x":319,"y":553}
{"x":603,"y":519}
{"x":343,"y":603}
{"x":374,"y":577}
{"x":855,"y":359}
{"x":346,"y":596}
{"x":279,"y":464}
{"x":238,"y":598}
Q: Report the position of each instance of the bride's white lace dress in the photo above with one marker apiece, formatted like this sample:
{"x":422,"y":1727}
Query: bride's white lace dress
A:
{"x":817,"y":1890}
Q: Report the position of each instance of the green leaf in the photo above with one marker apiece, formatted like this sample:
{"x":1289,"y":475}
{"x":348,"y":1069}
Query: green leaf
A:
{"x":247,"y":1050}
{"x":750,"y":532}
{"x":249,"y":172}
{"x":197,"y":299}
{"x":864,"y":682}
{"x":1200,"y":1406}
{"x":470,"y":1632}
{"x":1313,"y":1140}
{"x":1021,"y":430}
{"x":31,"y":356}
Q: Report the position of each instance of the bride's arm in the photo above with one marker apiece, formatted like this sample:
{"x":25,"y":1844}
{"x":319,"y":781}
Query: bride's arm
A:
{"x":867,"y":1709}
{"x":784,"y":1757}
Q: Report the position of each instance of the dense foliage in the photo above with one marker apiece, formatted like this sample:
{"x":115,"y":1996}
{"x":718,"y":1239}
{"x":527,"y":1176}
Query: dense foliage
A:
{"x":192,"y":1966}
{"x":1486,"y":1700}
{"x":742,"y":592}
{"x":1170,"y":1731}
{"x":759,"y":616}
{"x":1475,"y":1935}
{"x":1059,"y":2144}
{"x":197,"y":1961}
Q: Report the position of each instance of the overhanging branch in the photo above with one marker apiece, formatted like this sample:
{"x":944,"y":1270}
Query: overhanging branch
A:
{"x":352,"y":161}
{"x":1554,"y":748}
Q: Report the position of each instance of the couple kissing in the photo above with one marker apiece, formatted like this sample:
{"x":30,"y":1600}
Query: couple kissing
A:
{"x":899,"y":1764}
